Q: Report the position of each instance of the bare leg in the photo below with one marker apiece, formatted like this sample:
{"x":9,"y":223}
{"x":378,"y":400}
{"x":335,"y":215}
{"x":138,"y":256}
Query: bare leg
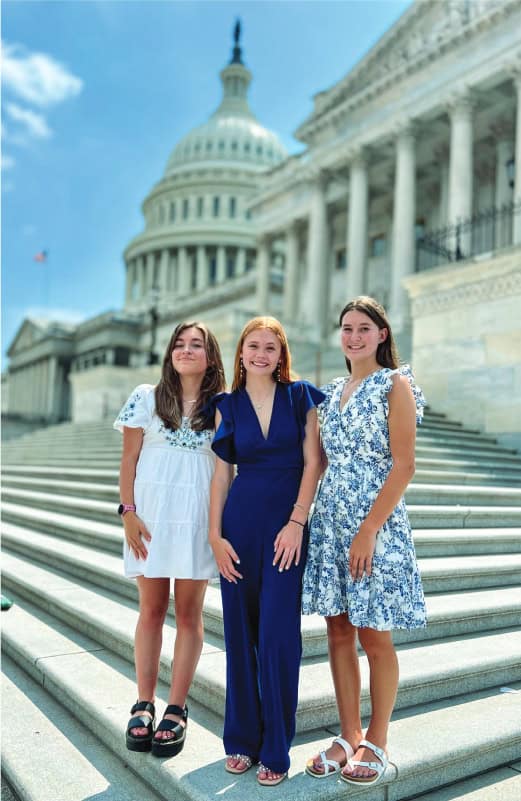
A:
{"x":188,"y":598}
{"x":383,"y":684}
{"x":345,"y":670}
{"x":153,"y":605}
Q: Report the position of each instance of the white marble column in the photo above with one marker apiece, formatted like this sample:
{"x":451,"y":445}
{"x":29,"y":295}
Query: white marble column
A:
{"x":201,"y":268}
{"x":263,"y":274}
{"x":517,"y":179}
{"x":404,"y":216}
{"x":141,"y":267}
{"x":291,"y":275}
{"x":221,"y":264}
{"x":240,"y":266}
{"x":461,"y":159}
{"x":151,"y":260}
{"x":318,"y":269}
{"x":129,"y":281}
{"x":357,"y":227}
{"x":183,"y":272}
{"x":164,"y":265}
{"x":53,"y":389}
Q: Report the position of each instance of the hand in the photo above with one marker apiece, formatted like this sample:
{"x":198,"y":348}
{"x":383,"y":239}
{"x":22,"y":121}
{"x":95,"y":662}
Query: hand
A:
{"x":288,"y":545}
{"x":361,"y":553}
{"x":135,"y":533}
{"x":226,"y":559}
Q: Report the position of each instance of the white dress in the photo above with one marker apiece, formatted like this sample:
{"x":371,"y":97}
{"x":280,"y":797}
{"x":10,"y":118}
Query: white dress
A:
{"x":171,"y":493}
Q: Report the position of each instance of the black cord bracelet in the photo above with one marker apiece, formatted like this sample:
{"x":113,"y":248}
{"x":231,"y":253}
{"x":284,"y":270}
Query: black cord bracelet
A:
{"x":297,"y":522}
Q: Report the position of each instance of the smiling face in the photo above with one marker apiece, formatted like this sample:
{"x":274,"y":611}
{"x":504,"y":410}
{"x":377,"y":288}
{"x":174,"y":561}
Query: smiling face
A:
{"x":189,"y":353}
{"x":360,"y":337}
{"x":261,"y":352}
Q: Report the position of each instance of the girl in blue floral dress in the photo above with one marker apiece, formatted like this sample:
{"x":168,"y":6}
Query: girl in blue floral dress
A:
{"x":166,"y":468}
{"x":361,"y":572}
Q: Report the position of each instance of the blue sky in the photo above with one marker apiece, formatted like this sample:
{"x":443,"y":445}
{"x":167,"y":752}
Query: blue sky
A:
{"x":95,"y":95}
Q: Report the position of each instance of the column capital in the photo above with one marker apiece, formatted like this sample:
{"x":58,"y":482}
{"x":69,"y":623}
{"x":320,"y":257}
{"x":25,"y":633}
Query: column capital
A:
{"x":406,"y":129}
{"x":357,"y":156}
{"x":318,"y":177}
{"x":461,"y":104}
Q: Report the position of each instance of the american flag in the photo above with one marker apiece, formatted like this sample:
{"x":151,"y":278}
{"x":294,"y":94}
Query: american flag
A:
{"x":41,"y":256}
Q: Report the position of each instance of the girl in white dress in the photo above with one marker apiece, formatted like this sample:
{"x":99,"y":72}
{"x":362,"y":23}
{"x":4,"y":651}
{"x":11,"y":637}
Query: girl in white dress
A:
{"x":166,"y":468}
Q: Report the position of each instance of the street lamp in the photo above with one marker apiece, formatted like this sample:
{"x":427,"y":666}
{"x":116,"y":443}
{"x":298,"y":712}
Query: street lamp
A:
{"x":154,"y":319}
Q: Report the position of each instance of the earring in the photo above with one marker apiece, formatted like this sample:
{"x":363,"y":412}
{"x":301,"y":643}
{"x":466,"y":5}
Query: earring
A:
{"x":277,"y":372}
{"x":241,"y":369}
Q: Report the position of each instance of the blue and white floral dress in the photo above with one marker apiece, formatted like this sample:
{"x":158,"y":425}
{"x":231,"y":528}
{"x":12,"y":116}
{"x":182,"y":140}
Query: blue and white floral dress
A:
{"x":356,"y":441}
{"x":171,"y":493}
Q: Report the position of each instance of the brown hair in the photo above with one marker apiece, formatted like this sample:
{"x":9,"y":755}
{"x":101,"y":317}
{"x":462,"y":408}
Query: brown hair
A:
{"x":169,"y":393}
{"x":386,"y":353}
{"x":273,"y":325}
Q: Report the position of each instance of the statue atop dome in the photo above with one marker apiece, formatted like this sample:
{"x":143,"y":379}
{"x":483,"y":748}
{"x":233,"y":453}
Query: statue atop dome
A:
{"x":237,"y":53}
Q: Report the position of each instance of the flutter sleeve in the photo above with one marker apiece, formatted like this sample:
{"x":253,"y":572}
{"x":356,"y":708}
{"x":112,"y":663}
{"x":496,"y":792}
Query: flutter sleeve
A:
{"x":224,"y":442}
{"x":306,"y":396}
{"x":138,"y":410}
{"x":419,"y":398}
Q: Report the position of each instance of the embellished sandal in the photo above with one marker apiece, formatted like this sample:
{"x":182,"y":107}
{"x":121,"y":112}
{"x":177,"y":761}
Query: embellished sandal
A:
{"x":245,"y":760}
{"x":329,"y":766}
{"x":270,"y":782}
{"x":378,"y":767}
{"x":141,"y":742}
{"x":173,"y":745}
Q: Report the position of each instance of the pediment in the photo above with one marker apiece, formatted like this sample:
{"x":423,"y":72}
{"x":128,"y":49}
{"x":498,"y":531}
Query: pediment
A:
{"x":424,"y":27}
{"x":29,"y":332}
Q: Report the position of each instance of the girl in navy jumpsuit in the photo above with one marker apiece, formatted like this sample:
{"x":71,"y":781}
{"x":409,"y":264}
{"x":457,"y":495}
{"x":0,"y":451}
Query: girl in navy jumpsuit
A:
{"x":267,"y":426}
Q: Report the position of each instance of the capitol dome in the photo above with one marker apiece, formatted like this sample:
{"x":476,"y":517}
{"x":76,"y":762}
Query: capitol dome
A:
{"x":232,"y":134}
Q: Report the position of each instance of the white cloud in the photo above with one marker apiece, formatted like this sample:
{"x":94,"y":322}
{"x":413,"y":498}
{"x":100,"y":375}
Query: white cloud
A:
{"x":34,"y":122}
{"x":36,"y":77}
{"x":8,"y":162}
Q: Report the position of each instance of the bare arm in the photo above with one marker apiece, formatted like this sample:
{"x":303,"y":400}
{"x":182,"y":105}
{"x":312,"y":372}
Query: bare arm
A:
{"x":288,"y":543}
{"x":224,"y":553}
{"x":402,"y":436}
{"x":135,"y":530}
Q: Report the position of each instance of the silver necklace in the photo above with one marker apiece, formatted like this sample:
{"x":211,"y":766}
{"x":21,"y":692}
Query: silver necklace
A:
{"x":258,"y":406}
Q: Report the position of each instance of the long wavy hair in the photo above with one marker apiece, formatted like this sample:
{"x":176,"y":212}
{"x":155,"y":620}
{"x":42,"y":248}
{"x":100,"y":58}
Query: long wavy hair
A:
{"x":169,"y":391}
{"x":273,"y":325}
{"x":386,"y":353}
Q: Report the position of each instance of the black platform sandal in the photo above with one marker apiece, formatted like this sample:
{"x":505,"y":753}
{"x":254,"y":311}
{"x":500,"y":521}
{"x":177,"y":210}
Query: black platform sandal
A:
{"x":141,"y":742}
{"x":173,"y":745}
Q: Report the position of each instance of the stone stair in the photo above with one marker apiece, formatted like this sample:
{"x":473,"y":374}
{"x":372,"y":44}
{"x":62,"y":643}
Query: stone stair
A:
{"x":68,"y":638}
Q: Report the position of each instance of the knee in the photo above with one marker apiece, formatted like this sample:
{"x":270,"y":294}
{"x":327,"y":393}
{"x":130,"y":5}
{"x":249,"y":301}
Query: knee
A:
{"x":152,"y":616}
{"x":188,"y":618}
{"x":340,"y":630}
{"x":376,"y":644}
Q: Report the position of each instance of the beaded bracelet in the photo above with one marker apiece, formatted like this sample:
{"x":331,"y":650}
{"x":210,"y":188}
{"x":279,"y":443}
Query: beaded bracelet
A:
{"x":291,"y":520}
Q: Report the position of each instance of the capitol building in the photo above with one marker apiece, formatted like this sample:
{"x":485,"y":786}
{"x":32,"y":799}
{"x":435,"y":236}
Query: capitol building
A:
{"x":408,"y":189}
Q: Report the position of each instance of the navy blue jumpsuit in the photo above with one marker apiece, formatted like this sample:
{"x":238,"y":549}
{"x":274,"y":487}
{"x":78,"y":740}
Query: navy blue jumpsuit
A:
{"x":262,"y":611}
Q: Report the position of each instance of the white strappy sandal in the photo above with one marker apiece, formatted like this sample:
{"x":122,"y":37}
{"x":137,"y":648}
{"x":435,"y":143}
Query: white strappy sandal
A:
{"x":378,"y":767}
{"x":330,"y":766}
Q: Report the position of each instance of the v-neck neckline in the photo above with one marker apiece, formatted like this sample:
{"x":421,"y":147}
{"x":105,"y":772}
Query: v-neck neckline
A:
{"x":252,"y":407}
{"x":341,"y":409}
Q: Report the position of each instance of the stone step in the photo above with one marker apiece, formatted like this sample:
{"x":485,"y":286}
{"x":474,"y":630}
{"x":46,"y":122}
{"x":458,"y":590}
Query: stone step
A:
{"x":417,"y":493}
{"x":503,"y":784}
{"x":85,"y":768}
{"x":439,"y":473}
{"x":429,"y":671}
{"x":450,"y":614}
{"x":433,"y":515}
{"x":97,"y":686}
{"x":430,"y":542}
